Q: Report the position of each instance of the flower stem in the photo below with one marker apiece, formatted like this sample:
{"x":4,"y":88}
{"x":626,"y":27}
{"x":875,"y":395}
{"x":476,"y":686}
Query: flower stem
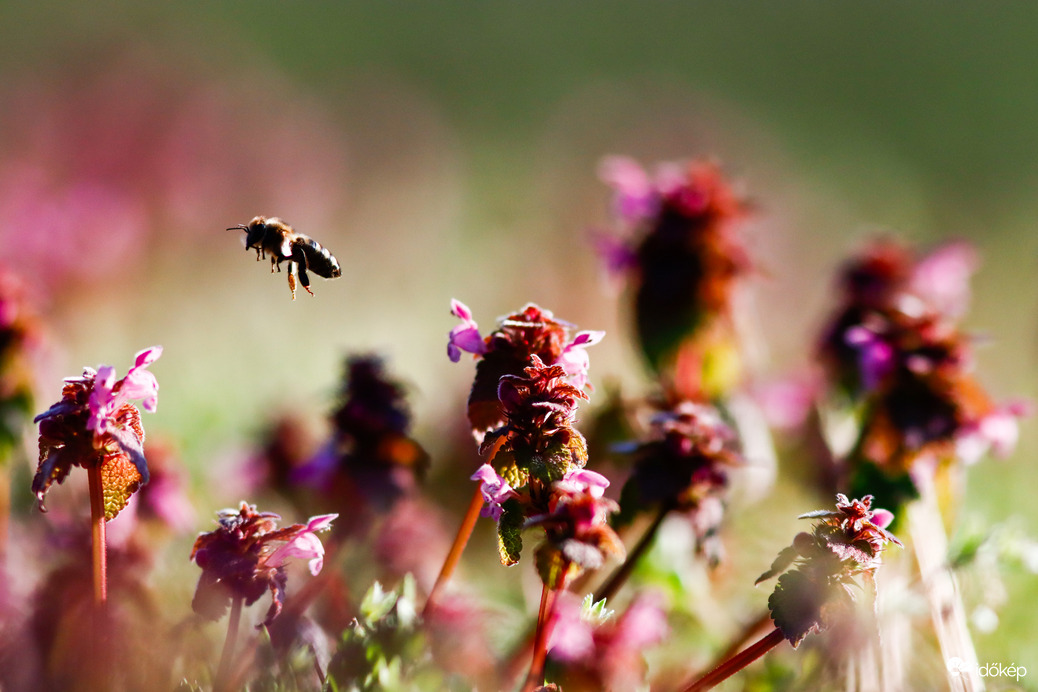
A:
{"x":930,"y":544}
{"x":233,"y":621}
{"x":535,"y":677}
{"x":468,"y":523}
{"x":97,"y":534}
{"x":618,"y":578}
{"x":737,"y":662}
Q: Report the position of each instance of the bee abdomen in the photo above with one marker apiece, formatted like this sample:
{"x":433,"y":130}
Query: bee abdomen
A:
{"x":319,"y":260}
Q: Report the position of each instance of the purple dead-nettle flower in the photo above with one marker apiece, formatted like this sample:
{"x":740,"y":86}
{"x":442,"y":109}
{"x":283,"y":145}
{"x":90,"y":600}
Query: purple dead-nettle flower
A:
{"x":843,"y":544}
{"x":495,"y":489}
{"x":95,"y":424}
{"x":245,"y":557}
{"x":509,"y":350}
{"x":139,"y":383}
{"x":574,"y":359}
{"x":464,"y":337}
{"x":583,"y":480}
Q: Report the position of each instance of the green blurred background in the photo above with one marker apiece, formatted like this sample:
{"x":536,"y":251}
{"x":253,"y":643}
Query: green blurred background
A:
{"x":449,"y":149}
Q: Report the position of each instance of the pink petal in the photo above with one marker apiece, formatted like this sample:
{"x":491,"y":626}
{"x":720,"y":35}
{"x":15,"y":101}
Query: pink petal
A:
{"x":882,"y":518}
{"x":147,"y":356}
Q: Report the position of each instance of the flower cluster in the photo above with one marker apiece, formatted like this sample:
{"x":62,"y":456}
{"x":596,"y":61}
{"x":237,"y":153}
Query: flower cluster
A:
{"x":509,"y":349}
{"x":894,"y":347}
{"x":245,"y":557}
{"x":95,"y":424}
{"x":371,"y":459}
{"x":683,"y":467}
{"x":684,"y":259}
{"x":843,"y":544}
{"x":536,"y":476}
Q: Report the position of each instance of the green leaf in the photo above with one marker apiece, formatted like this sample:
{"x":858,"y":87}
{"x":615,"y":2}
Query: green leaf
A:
{"x":377,"y":603}
{"x":509,"y":532}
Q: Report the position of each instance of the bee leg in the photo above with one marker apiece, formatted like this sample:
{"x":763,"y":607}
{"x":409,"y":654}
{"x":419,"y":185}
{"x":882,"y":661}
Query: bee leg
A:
{"x":292,"y":283}
{"x":274,"y":261}
{"x":300,"y":265}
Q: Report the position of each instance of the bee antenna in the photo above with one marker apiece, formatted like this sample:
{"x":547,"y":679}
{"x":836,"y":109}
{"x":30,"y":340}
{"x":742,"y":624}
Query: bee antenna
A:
{"x":239,"y":227}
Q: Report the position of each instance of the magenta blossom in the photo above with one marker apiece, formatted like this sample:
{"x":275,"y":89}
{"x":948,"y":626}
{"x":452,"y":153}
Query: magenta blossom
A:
{"x":574,"y":359}
{"x":108,"y":396}
{"x":583,"y":481}
{"x":495,"y":489}
{"x":305,"y":545}
{"x":464,"y":337}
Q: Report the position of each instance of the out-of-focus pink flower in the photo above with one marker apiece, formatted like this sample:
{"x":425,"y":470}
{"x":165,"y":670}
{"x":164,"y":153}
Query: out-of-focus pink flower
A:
{"x":634,"y":194}
{"x":572,"y":635}
{"x":786,"y":403}
{"x":495,"y":490}
{"x":574,"y":359}
{"x":464,"y":337}
{"x":996,"y":432}
{"x":305,"y":545}
{"x":942,"y":278}
{"x":604,"y":650}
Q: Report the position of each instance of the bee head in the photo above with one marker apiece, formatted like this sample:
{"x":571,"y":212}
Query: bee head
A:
{"x":254,"y":231}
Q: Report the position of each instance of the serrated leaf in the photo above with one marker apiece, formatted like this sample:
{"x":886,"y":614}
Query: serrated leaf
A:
{"x":119,"y":480}
{"x":509,"y":532}
{"x":796,"y":606}
{"x":780,"y":564}
{"x":552,"y":566}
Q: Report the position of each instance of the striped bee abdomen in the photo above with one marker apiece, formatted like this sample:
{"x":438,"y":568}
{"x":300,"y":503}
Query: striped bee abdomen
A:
{"x":318,"y":259}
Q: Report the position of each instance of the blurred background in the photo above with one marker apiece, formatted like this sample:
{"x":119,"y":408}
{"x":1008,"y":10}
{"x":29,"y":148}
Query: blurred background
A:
{"x":449,"y":150}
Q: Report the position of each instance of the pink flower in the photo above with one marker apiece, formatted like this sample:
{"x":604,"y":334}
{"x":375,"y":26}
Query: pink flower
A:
{"x":996,"y":432}
{"x":574,"y":359}
{"x":108,"y":396}
{"x":634,"y":194}
{"x":464,"y":337}
{"x":942,"y":278}
{"x":305,"y":545}
{"x":583,"y":481}
{"x":495,"y":490}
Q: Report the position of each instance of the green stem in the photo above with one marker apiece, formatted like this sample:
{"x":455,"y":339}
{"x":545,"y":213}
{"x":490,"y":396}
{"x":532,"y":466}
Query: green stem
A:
{"x":737,"y":662}
{"x":233,"y":621}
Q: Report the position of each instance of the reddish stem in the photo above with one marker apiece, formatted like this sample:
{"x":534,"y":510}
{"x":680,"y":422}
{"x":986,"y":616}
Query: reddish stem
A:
{"x":535,"y":677}
{"x":468,"y":523}
{"x":97,"y":533}
{"x":618,"y":578}
{"x":737,"y":662}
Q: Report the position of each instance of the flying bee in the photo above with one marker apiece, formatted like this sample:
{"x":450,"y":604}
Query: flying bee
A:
{"x":302,"y":252}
